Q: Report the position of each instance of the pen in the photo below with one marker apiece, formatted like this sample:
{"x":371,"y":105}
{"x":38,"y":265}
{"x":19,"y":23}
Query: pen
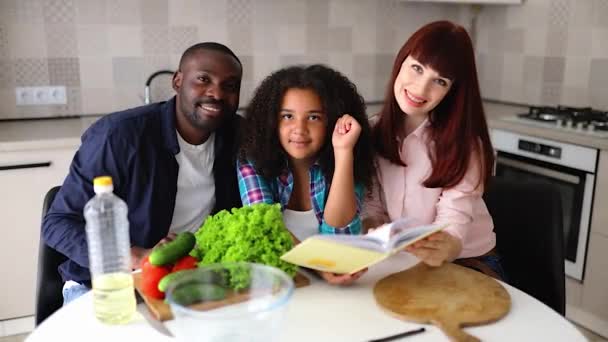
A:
{"x":403,"y":334}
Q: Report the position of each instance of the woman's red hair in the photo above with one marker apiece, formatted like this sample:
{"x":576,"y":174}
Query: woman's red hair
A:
{"x":458,"y":123}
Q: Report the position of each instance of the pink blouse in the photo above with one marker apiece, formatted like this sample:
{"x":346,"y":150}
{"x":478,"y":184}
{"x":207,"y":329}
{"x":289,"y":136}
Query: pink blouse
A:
{"x":398,"y":192}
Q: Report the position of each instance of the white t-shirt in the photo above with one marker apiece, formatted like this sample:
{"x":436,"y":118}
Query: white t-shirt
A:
{"x":302,"y":224}
{"x":195,"y":185}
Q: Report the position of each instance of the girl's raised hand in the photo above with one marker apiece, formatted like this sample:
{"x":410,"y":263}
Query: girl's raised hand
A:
{"x":346,"y":132}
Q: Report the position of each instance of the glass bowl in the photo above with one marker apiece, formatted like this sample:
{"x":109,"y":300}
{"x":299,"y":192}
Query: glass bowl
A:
{"x":229,"y":302}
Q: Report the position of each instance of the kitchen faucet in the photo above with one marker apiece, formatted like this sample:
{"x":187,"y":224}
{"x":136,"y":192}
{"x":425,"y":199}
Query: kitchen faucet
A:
{"x":147,"y":88}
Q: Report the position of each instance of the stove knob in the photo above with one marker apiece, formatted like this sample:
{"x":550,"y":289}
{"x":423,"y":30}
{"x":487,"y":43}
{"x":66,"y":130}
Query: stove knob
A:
{"x":569,"y":124}
{"x":580,"y":126}
{"x":590,"y":127}
{"x":559,"y":122}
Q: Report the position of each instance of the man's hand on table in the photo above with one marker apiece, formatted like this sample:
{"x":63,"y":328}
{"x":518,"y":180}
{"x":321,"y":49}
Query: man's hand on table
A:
{"x":138,"y":254}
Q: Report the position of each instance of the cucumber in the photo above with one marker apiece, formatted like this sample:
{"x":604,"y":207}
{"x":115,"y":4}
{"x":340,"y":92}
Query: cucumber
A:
{"x":171,"y":251}
{"x":163,"y":284}
{"x":193,"y":293}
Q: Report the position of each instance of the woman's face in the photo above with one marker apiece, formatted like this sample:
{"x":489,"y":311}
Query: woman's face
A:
{"x":418,"y":89}
{"x":302,"y":124}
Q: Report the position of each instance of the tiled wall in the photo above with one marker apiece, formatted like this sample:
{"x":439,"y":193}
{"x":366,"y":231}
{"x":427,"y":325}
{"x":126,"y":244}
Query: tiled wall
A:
{"x":545,"y":52}
{"x":541,"y":52}
{"x":103,"y":50}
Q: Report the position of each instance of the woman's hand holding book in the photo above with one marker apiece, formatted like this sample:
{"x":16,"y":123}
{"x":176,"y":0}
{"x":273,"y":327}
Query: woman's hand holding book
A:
{"x":437,"y":248}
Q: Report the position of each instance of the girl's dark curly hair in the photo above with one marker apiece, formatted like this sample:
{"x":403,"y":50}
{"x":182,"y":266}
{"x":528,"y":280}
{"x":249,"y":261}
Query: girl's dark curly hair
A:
{"x":259,"y":142}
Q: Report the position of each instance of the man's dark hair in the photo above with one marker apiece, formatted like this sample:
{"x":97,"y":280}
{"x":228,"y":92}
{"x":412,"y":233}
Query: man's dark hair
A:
{"x":259,"y":142}
{"x":213,"y":46}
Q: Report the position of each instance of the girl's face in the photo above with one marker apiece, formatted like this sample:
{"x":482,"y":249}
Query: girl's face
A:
{"x":418,"y":89}
{"x":302,"y":124}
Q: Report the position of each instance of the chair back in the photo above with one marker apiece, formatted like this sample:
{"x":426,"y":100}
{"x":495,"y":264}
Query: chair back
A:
{"x":529,"y":237}
{"x":49,"y":297}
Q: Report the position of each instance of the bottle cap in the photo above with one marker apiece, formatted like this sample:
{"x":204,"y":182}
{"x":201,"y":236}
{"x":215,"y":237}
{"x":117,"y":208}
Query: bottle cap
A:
{"x":103,"y":184}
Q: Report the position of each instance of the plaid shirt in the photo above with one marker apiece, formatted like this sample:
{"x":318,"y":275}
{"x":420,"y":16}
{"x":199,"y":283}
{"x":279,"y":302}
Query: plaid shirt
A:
{"x":257,"y":189}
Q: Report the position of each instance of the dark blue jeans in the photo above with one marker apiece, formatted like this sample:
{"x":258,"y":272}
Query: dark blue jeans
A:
{"x":488,"y":264}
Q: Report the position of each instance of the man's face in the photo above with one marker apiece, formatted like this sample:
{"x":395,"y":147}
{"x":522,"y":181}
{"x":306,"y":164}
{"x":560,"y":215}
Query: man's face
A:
{"x":207,"y":86}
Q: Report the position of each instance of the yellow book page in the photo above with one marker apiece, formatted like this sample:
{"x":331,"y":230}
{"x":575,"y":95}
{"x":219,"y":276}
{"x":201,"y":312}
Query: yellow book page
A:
{"x":333,"y":257}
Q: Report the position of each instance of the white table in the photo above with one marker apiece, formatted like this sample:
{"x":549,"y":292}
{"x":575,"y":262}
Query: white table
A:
{"x":321,"y":312}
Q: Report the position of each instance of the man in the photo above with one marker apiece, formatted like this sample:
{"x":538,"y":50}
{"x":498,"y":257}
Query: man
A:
{"x":166,"y":160}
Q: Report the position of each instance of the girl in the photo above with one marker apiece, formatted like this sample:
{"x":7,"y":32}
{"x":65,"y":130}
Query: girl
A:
{"x":299,"y":147}
{"x":435,"y":154}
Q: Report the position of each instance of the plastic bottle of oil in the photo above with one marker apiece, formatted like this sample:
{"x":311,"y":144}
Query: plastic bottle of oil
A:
{"x":107,"y":228}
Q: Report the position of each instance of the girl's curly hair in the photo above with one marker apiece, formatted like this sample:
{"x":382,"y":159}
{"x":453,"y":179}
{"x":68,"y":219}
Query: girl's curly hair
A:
{"x":259,"y":141}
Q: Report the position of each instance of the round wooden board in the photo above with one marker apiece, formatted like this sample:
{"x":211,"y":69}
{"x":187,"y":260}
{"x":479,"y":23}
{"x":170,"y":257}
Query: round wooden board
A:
{"x":449,"y":296}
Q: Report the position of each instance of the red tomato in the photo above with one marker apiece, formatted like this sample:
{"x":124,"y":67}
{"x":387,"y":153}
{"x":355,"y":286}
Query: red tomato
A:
{"x":185,"y":263}
{"x":150,"y":277}
{"x":150,"y":288}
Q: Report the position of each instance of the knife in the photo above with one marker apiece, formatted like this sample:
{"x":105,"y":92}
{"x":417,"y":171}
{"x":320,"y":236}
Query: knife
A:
{"x":154,"y":323}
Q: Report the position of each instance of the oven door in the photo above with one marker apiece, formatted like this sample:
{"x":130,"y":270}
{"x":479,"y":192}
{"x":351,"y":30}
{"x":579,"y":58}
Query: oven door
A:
{"x":576,"y":189}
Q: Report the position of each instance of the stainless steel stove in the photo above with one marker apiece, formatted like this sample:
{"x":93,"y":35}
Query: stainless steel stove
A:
{"x":571,"y":168}
{"x":576,"y":120}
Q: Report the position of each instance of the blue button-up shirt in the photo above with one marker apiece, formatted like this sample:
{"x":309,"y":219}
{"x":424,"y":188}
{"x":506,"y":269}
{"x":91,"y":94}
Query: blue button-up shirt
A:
{"x":137,"y":147}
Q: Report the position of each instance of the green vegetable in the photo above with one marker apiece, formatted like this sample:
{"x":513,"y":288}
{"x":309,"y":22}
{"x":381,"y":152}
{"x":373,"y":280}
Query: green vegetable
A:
{"x":193,"y":293}
{"x":165,"y":281}
{"x":252,"y":233}
{"x":170,"y":252}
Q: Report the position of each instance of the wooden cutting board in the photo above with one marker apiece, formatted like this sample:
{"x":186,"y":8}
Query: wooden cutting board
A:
{"x":449,"y":297}
{"x":162,"y":312}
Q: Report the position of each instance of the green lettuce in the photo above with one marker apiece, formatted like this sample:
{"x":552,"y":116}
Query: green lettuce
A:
{"x":253,"y":233}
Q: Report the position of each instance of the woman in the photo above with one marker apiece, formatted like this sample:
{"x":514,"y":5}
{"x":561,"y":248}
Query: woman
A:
{"x":434,"y":151}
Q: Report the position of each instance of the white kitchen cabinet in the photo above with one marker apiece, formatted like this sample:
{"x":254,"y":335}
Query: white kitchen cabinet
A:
{"x":588,"y":302}
{"x":25,"y":177}
{"x":595,"y":288}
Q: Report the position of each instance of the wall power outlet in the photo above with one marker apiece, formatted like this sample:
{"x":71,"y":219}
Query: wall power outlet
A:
{"x":47,"y":95}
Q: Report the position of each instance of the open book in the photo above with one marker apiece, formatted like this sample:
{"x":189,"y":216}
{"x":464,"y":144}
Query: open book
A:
{"x":352,"y":253}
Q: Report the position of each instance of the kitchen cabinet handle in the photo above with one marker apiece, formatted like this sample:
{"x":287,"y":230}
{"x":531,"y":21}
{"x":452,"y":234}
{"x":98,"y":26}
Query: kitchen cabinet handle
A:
{"x":25,"y":166}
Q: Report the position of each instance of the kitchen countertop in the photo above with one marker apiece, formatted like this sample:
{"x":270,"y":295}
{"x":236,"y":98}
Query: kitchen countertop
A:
{"x":496,"y":114}
{"x":20,"y":135}
{"x":60,"y":132}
